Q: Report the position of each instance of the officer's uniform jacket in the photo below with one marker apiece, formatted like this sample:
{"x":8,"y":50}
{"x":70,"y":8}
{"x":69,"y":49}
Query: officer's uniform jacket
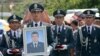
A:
{"x":65,"y":37}
{"x":88,"y":44}
{"x":7,"y":44}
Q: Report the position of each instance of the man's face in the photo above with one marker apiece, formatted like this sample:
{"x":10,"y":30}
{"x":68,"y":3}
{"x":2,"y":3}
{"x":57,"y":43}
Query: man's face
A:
{"x":35,"y":37}
{"x":81,"y":22}
{"x":73,"y":26}
{"x":89,"y":20}
{"x":97,"y":22}
{"x":36,"y":15}
{"x":59,"y":20}
{"x":14,"y":25}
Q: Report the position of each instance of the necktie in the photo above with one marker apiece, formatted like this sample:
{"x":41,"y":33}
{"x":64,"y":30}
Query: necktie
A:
{"x":59,"y":30}
{"x":88,"y":29}
{"x":36,"y":24}
{"x":14,"y":34}
{"x":35,"y":45}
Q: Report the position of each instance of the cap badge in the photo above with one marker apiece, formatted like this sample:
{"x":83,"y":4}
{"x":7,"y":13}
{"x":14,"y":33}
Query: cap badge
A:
{"x":14,"y":17}
{"x":58,"y":11}
{"x":88,"y":12}
{"x":35,"y":6}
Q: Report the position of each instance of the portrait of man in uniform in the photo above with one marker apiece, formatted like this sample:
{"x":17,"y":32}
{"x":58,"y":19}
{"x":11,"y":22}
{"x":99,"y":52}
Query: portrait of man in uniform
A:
{"x":35,"y":41}
{"x":35,"y":45}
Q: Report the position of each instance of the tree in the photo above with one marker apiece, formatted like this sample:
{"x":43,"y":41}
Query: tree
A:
{"x":51,"y":5}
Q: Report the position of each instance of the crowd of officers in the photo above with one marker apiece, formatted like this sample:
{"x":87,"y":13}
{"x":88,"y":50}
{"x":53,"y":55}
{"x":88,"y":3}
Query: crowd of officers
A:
{"x":63,"y":40}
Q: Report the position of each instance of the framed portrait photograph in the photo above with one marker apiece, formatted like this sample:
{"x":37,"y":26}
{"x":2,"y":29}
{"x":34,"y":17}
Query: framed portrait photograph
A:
{"x":35,"y":41}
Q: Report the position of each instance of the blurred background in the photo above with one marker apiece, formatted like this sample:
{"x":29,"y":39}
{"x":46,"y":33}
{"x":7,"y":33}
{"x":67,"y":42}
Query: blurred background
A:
{"x":72,"y":8}
{"x":19,"y":7}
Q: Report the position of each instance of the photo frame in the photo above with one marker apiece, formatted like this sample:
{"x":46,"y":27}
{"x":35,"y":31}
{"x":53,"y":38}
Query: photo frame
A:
{"x":32,"y":35}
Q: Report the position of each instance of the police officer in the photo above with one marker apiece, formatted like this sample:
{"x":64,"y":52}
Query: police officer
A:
{"x":12,"y":41}
{"x":88,"y":39}
{"x":62,"y":35}
{"x":97,"y":21}
{"x":36,"y":12}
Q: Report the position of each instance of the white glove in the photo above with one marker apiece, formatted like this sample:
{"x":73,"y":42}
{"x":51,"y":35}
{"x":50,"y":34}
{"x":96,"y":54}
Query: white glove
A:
{"x":49,"y":49}
{"x":1,"y":53}
{"x":64,"y":47}
{"x":23,"y":53}
{"x":1,"y":35}
{"x":8,"y":51}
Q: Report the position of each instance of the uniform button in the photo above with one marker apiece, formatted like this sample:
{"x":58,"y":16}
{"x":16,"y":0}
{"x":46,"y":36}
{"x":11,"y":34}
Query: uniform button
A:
{"x":58,"y":38}
{"x":89,"y":47}
{"x":58,"y":42}
{"x":89,"y":43}
{"x":89,"y":40}
{"x":89,"y":51}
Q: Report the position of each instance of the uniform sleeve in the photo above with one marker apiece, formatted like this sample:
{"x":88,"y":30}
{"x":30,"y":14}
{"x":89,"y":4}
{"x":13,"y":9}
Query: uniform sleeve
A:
{"x":78,"y":45}
{"x":20,"y":42}
{"x":50,"y":37}
{"x":71,"y":40}
{"x":3,"y":45}
{"x":99,"y":36}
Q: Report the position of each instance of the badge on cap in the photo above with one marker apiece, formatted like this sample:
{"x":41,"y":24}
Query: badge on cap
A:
{"x":35,"y":6}
{"x":88,"y":12}
{"x":58,"y":12}
{"x":14,"y":17}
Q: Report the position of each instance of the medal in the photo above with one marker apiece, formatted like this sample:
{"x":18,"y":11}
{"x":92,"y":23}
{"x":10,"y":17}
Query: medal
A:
{"x":65,"y":40}
{"x":95,"y":40}
{"x":64,"y":28}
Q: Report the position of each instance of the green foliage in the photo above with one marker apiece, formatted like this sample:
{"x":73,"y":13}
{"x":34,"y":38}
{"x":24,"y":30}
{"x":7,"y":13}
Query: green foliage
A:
{"x":52,"y":5}
{"x":21,"y":7}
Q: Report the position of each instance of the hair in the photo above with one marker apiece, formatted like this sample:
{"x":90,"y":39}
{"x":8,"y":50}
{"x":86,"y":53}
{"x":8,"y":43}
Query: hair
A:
{"x":75,"y":22}
{"x":34,"y":33}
